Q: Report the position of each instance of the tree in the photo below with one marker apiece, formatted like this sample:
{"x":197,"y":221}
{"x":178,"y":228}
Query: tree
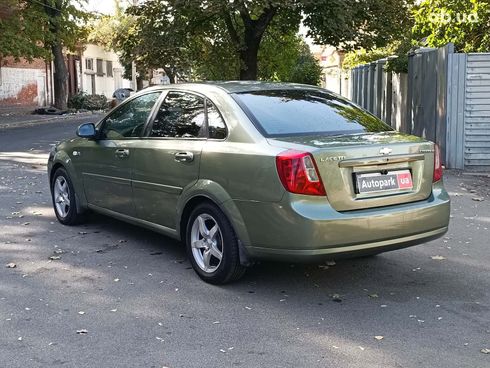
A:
{"x":44,"y":29}
{"x":463,"y":22}
{"x":399,"y":48}
{"x":173,"y":30}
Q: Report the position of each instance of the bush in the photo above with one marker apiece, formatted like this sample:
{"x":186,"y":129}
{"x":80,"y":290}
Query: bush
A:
{"x":84,"y":101}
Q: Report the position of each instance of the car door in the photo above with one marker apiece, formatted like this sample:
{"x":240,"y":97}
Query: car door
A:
{"x":105,"y":163}
{"x":168,"y":160}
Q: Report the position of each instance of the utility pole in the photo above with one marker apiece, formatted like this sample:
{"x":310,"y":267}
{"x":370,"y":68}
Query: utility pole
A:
{"x":134,"y":83}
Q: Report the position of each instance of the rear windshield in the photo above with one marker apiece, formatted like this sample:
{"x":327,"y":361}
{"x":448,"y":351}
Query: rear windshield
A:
{"x":292,"y":112}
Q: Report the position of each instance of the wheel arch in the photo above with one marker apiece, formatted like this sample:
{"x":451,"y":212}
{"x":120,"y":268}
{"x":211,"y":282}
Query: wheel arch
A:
{"x":208,"y":191}
{"x":234,"y":218}
{"x":62,"y":160}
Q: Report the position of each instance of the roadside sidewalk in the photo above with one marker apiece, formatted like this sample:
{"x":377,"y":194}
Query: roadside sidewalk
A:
{"x":16,"y":120}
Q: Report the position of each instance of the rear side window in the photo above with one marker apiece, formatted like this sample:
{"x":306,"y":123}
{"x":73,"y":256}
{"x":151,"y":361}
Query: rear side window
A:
{"x":293,"y":112}
{"x":216,"y":125}
{"x":181,"y":115}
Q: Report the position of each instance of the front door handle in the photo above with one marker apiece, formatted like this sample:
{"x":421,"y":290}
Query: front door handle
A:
{"x":184,"y":156}
{"x":122,"y":153}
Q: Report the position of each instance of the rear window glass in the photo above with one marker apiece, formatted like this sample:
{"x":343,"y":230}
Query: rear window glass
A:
{"x":304,"y":112}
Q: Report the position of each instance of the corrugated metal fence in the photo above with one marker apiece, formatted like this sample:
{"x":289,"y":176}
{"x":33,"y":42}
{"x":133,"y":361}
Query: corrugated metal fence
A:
{"x":445,"y":97}
{"x":477,"y":111}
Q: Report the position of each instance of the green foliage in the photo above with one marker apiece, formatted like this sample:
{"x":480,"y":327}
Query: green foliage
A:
{"x":462,"y":22}
{"x":306,"y":69}
{"x":398,"y":49}
{"x":216,"y":39}
{"x":84,"y":101}
{"x":355,"y":24}
{"x":27,"y":27}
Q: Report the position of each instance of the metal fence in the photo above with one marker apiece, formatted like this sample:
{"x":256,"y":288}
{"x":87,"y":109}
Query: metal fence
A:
{"x":444,"y":97}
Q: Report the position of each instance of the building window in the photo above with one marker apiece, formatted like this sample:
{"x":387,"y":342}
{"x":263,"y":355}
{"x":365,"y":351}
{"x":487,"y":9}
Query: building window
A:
{"x":100,"y":70}
{"x":108,"y":67}
{"x":89,"y":64}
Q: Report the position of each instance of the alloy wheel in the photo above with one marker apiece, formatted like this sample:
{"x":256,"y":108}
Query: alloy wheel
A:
{"x":61,"y":194}
{"x":206,"y":243}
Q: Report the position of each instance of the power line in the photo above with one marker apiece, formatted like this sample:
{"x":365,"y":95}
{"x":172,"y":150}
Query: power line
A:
{"x":43,"y":4}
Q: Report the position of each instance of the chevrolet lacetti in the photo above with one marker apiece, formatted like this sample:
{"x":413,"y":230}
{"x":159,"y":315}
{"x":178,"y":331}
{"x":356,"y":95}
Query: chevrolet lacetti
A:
{"x":243,"y":171}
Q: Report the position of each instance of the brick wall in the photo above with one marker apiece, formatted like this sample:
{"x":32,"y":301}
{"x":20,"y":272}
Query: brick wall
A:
{"x":22,"y":86}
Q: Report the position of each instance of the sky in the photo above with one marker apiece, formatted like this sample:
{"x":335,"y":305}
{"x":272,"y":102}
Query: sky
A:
{"x":101,"y":6}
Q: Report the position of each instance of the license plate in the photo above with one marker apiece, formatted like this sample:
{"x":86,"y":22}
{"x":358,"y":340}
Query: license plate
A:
{"x":377,"y":182}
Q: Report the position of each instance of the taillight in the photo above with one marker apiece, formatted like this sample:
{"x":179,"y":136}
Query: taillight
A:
{"x":437,"y":164}
{"x":299,"y":174}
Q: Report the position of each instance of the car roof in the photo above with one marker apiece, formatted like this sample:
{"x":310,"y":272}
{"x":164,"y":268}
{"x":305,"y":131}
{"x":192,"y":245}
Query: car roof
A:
{"x":237,"y":86}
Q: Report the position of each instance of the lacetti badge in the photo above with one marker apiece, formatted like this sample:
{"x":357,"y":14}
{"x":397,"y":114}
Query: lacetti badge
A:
{"x":385,"y":151}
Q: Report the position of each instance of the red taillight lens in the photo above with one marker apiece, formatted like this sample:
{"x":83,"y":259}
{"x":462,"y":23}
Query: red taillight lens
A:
{"x":437,"y":164}
{"x":299,"y":174}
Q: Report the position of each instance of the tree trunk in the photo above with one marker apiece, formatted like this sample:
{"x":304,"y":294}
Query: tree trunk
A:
{"x":249,"y":45}
{"x":248,"y":62}
{"x":60,"y":77}
{"x":170,"y":74}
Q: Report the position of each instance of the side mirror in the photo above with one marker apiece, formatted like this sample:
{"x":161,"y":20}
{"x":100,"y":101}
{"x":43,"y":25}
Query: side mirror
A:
{"x":87,"y":130}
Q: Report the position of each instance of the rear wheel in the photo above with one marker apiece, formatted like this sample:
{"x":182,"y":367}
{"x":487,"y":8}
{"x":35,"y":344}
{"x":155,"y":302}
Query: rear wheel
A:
{"x":64,"y":199}
{"x":212,"y":245}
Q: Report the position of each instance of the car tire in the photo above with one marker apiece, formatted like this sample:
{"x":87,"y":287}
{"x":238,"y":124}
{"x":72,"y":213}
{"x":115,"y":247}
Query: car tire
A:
{"x":64,"y":199}
{"x":212,"y":245}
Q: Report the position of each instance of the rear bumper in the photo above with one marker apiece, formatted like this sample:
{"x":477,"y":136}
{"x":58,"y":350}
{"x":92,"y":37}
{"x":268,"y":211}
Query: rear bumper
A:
{"x":358,"y":250}
{"x":304,"y":228}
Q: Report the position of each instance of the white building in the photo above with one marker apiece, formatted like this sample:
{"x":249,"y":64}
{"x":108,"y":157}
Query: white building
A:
{"x":100,"y":71}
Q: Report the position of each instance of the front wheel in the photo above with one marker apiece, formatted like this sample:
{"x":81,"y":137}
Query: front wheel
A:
{"x":64,"y":199}
{"x":212,"y":245}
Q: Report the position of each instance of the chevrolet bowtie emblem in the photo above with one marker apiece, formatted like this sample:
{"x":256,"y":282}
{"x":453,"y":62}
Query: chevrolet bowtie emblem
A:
{"x":385,"y":151}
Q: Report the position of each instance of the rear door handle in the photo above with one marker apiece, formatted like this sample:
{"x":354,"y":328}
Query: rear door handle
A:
{"x":122,"y":153}
{"x":184,"y":156}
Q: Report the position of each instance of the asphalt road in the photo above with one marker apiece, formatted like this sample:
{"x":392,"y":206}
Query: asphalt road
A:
{"x":142,"y":305}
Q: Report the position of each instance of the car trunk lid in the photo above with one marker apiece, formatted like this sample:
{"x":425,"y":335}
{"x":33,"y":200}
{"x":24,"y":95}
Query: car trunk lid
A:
{"x":370,"y":169}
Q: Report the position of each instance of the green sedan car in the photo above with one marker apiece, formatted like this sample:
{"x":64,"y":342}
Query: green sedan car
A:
{"x":243,"y":171}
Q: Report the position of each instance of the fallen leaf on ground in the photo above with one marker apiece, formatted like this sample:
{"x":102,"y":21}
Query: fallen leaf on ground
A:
{"x":55,"y":258}
{"x":438,"y":258}
{"x":330,"y":263}
{"x":379,"y":337}
{"x":478,"y":199}
{"x":81,"y":313}
{"x":82,"y":331}
{"x":485,"y":351}
{"x":11,"y":265}
{"x":336,"y":298}
{"x":373,"y":296}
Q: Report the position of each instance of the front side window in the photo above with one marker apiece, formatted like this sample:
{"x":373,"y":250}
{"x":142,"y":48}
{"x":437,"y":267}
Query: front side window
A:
{"x":293,"y":112}
{"x":129,"y":120}
{"x":181,"y":115}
